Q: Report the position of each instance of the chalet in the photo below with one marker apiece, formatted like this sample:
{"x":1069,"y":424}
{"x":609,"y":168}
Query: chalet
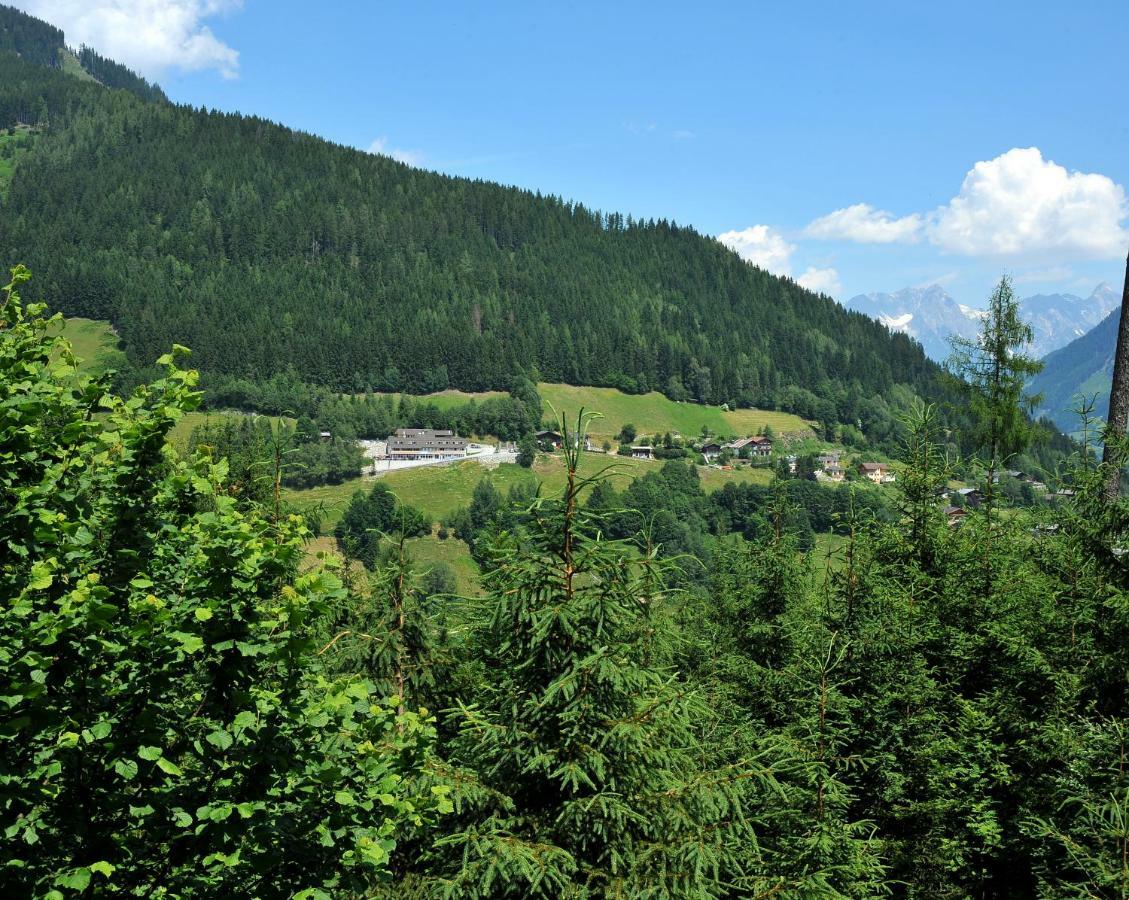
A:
{"x":711,"y":451}
{"x":954,"y":515}
{"x":751,"y":446}
{"x":879,"y":473}
{"x":972,"y":496}
{"x":553,"y":439}
{"x":832,"y":473}
{"x":642,"y":453}
{"x":828,"y":459}
{"x":425,"y":443}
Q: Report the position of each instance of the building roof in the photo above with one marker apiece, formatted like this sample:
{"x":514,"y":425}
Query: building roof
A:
{"x":425,"y":439}
{"x":874,"y":467}
{"x":756,"y":441}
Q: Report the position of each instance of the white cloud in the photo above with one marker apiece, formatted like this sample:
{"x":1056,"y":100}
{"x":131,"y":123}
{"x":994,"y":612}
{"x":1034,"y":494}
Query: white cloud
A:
{"x":763,"y":246}
{"x":150,"y":36}
{"x":864,"y":224}
{"x":821,"y":281}
{"x":409,"y":157}
{"x":1020,"y":204}
{"x":1017,"y":205}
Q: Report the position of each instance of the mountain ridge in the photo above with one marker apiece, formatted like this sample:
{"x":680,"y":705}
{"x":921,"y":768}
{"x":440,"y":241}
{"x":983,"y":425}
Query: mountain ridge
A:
{"x":930,"y":314}
{"x":1080,"y":371}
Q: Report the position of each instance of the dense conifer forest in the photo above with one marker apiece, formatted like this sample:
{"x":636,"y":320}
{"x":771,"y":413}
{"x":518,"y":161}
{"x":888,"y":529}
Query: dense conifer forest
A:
{"x":270,"y":251}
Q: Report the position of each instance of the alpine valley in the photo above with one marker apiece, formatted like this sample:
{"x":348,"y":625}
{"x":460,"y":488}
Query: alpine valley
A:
{"x":373,"y":532}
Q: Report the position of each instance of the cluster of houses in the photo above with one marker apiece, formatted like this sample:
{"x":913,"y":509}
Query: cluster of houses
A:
{"x":831,"y":468}
{"x":757,"y":447}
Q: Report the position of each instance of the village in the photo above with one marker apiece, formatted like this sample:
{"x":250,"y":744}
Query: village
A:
{"x":413,"y":447}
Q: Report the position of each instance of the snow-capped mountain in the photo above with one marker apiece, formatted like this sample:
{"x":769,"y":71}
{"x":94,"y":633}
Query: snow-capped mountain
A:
{"x":926,"y":313}
{"x":931,"y":315}
{"x":1058,"y":319}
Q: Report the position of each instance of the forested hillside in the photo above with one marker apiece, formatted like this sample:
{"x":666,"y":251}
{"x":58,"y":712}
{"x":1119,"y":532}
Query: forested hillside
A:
{"x":268,"y":251}
{"x":42,"y":44}
{"x":1080,"y":371}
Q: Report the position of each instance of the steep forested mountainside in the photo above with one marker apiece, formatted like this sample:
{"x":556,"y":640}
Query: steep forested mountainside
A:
{"x":269,"y":251}
{"x":41,"y":44}
{"x":1081,"y":370}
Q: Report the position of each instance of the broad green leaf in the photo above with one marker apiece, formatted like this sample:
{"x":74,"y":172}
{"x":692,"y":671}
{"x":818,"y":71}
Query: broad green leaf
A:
{"x":126,"y":768}
{"x":220,"y":738}
{"x":169,"y":767}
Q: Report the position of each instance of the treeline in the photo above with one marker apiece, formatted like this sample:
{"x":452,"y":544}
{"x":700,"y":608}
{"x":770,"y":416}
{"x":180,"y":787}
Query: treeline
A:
{"x":674,"y":512}
{"x":373,"y":416}
{"x":33,"y":40}
{"x":41,"y":44}
{"x":115,"y":75}
{"x":320,"y":445}
{"x":267,"y":251}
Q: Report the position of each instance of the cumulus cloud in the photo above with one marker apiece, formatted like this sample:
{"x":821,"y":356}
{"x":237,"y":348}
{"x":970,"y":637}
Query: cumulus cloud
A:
{"x":1022,"y":204}
{"x":410,"y":157}
{"x":150,"y":36}
{"x":763,"y":246}
{"x":821,"y":281}
{"x":864,"y":224}
{"x":1017,"y":205}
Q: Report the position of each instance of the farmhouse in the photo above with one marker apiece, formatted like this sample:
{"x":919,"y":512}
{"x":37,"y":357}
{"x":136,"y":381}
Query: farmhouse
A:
{"x":973,"y":497}
{"x":547,"y":438}
{"x":954,"y":515}
{"x":831,"y":473}
{"x":642,"y":453}
{"x":879,"y":473}
{"x":827,"y":459}
{"x":752,"y":446}
{"x":711,"y":451}
{"x":425,"y":443}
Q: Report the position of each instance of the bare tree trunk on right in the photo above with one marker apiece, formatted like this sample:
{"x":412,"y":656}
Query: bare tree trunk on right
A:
{"x":1118,"y":418}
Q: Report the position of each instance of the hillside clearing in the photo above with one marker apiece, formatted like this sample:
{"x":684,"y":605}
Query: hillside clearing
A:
{"x":655,"y":413}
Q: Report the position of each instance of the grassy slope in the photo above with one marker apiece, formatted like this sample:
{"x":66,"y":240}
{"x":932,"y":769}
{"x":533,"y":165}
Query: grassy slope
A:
{"x":650,"y":413}
{"x":441,"y":490}
{"x":69,"y":63}
{"x":425,"y":552}
{"x":654,"y":413}
{"x":447,"y":399}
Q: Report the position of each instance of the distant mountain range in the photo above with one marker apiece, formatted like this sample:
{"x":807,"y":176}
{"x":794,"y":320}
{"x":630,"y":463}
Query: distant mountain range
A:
{"x":931,"y":315}
{"x":1081,"y":369}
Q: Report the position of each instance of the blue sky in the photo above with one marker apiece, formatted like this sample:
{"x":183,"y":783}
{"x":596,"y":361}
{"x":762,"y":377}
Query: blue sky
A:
{"x":855,"y":146}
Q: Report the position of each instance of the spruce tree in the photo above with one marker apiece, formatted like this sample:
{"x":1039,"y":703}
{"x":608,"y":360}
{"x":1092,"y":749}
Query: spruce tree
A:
{"x":593,"y":777}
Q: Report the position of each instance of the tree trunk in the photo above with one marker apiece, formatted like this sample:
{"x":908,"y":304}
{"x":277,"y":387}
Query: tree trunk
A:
{"x":1118,"y":418}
